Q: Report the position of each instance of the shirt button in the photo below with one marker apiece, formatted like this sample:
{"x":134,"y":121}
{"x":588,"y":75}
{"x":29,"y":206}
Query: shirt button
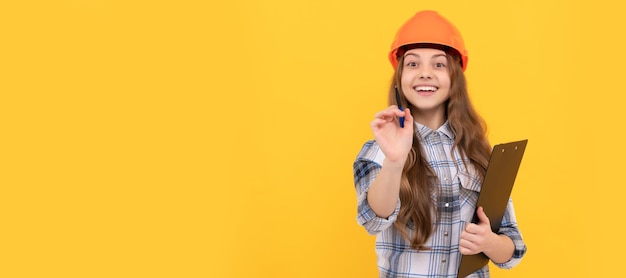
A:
{"x":445,"y":179}
{"x":443,"y":261}
{"x":445,"y":233}
{"x":447,"y":204}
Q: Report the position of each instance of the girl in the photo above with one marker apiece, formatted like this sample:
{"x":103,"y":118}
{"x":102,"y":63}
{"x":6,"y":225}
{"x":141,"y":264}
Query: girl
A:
{"x":418,"y":181}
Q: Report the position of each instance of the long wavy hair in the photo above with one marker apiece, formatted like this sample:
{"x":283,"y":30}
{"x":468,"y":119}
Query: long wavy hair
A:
{"x":418,"y":182}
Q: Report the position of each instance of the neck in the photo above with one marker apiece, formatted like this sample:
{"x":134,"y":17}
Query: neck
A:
{"x":433,"y":120}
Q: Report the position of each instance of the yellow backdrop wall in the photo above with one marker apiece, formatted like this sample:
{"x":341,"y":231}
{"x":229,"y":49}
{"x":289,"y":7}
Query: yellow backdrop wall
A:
{"x":216,"y":138}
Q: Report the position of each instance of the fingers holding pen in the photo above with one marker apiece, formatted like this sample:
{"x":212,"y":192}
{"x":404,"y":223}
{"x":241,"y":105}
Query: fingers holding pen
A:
{"x":394,"y":140}
{"x":408,"y":118}
{"x":390,"y":114}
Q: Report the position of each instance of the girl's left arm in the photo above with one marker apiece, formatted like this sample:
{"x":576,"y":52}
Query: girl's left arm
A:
{"x":505,"y":248}
{"x":509,"y":229}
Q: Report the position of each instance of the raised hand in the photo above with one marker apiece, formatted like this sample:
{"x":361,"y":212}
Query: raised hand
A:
{"x":394,"y":141}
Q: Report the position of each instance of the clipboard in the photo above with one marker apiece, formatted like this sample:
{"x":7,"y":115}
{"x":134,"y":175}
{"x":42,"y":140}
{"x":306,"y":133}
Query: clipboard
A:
{"x":494,"y":195}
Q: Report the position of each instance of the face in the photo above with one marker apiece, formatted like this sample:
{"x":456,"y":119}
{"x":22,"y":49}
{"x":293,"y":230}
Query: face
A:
{"x":425,"y":80}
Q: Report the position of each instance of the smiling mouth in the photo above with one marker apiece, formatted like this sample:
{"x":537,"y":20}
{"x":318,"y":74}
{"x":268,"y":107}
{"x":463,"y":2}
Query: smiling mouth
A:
{"x":425,"y":89}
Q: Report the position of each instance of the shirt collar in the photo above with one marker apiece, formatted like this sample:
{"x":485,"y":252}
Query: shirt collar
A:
{"x":444,"y":129}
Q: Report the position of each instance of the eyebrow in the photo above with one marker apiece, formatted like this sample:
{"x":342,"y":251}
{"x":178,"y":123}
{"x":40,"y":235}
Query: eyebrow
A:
{"x":418,"y":56}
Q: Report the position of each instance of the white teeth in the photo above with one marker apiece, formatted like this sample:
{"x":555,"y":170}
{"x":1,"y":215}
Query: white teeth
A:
{"x":426,"y":88}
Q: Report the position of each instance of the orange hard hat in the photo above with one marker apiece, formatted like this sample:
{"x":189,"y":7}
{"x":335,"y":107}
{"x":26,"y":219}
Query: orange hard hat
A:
{"x":430,"y":28}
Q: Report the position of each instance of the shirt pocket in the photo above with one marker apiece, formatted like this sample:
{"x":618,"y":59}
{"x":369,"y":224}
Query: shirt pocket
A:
{"x":470,"y":189}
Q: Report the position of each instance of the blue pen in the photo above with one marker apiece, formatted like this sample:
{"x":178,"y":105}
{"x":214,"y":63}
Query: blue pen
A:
{"x":399,"y":107}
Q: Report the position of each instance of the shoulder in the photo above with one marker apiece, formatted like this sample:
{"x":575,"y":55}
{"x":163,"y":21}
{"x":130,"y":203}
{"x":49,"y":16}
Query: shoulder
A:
{"x":371,"y":152}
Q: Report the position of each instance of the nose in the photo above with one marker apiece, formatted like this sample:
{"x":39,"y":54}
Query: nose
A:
{"x":425,"y":73}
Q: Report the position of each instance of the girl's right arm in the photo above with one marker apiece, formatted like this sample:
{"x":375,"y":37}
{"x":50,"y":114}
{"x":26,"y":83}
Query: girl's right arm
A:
{"x":395,"y":142}
{"x":384,"y":192}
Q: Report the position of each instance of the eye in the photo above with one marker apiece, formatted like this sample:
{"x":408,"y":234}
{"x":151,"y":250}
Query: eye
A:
{"x":411,"y":64}
{"x":440,"y":65}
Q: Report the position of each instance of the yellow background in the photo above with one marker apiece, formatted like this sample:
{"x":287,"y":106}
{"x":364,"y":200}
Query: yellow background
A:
{"x":216,"y":138}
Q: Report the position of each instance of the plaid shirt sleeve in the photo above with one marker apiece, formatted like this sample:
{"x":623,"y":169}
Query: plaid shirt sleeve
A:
{"x":509,"y":228}
{"x":366,"y":167}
